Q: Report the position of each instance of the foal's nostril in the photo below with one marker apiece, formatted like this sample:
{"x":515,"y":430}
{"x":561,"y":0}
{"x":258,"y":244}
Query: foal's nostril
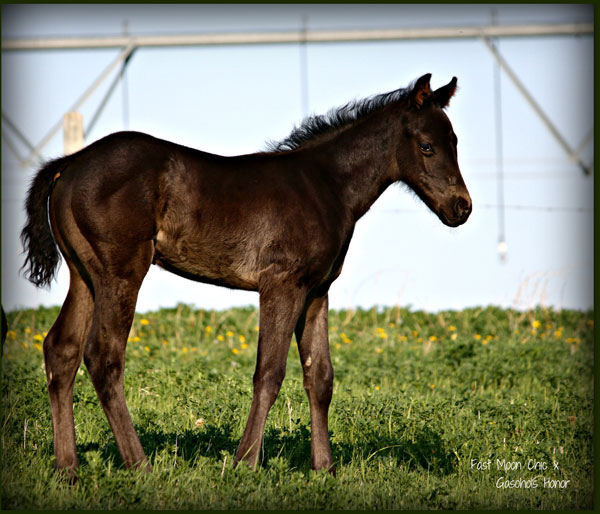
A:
{"x":462,"y":207}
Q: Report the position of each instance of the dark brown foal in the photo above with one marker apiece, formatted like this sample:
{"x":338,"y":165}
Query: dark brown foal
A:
{"x":277,"y":222}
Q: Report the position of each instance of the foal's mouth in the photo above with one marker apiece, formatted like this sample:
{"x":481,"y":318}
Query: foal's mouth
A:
{"x":453,"y":222}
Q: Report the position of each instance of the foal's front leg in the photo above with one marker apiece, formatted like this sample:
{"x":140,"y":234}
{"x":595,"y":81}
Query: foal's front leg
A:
{"x":280,"y":306}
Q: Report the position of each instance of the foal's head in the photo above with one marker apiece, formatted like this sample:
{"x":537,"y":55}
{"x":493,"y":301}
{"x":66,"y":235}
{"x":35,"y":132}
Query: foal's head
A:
{"x":427,"y":158}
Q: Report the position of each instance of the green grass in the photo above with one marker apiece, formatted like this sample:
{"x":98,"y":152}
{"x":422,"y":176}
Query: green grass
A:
{"x":418,"y":400}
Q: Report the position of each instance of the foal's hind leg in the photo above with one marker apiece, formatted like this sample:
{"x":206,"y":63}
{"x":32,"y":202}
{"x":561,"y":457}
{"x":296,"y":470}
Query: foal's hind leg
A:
{"x":104,"y":355}
{"x":63,"y":349}
{"x":313,"y":345}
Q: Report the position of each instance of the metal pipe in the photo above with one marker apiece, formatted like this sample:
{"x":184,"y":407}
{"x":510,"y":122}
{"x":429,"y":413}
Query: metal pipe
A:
{"x":108,"y":94}
{"x":121,"y":57}
{"x":538,"y":110}
{"x":313,"y":36}
{"x":13,"y":148}
{"x":17,"y":132}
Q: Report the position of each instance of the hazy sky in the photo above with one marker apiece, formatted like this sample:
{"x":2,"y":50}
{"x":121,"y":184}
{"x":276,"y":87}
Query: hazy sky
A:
{"x":231,"y":100}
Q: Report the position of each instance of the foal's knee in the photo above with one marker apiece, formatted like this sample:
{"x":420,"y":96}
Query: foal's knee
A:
{"x":61,"y":356}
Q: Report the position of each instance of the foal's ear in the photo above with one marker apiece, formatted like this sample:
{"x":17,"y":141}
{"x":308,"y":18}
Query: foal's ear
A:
{"x":420,"y":91}
{"x":442,"y":95}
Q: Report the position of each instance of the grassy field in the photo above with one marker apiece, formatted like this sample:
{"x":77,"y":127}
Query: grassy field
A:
{"x":436,"y":411}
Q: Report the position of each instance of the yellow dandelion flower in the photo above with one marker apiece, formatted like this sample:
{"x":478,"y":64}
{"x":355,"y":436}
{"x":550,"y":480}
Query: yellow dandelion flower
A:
{"x":432,"y":386}
{"x":194,"y":349}
{"x":383,"y":335}
{"x":392,"y":325}
{"x":433,"y":339}
{"x":184,"y":349}
{"x":536,"y":324}
{"x":485,"y":341}
{"x":242,"y":339}
{"x":403,"y":338}
{"x":452,"y":328}
{"x":256,"y":328}
{"x":454,"y":336}
{"x":415,"y":333}
{"x":165,"y":342}
{"x":27,"y":330}
{"x":11,"y":334}
{"x":235,"y":351}
{"x":338,"y":346}
{"x":45,"y":334}
{"x":558,"y":333}
{"x":229,"y":333}
{"x":220,"y":337}
{"x":378,"y":350}
{"x":38,"y":337}
{"x":144,"y":321}
{"x":136,"y":339}
{"x":377,"y":388}
{"x":478,"y":336}
{"x":208,"y":328}
{"x":147,"y":348}
{"x":38,"y":346}
{"x":244,"y":346}
{"x":420,"y":340}
{"x":25,"y":345}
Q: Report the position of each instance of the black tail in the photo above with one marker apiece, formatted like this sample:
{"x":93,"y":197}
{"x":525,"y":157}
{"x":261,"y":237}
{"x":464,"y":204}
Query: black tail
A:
{"x":42,"y":253}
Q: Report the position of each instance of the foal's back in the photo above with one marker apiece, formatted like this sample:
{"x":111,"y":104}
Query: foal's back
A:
{"x":211,"y":218}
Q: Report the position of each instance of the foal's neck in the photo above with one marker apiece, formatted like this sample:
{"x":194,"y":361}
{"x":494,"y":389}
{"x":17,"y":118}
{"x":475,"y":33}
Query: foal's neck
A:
{"x":364,"y":162}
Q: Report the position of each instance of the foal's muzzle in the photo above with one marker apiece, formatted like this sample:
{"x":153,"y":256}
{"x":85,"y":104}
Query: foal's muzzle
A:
{"x":460,"y":210}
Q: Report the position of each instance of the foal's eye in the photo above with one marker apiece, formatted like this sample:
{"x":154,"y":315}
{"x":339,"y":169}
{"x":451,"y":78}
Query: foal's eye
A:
{"x":426,"y":148}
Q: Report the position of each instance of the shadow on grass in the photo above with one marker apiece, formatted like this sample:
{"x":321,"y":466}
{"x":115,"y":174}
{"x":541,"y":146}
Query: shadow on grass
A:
{"x":210,"y":441}
{"x":427,"y":451}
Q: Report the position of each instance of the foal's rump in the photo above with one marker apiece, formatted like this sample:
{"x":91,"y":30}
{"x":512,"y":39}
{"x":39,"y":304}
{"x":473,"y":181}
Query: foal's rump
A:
{"x":106,"y":192}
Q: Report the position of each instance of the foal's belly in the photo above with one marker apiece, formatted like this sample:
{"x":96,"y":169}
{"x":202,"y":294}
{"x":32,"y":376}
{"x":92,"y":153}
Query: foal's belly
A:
{"x":210,"y":262}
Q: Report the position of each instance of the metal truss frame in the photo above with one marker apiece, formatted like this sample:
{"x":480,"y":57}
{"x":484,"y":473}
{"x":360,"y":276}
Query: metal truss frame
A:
{"x":129,"y":43}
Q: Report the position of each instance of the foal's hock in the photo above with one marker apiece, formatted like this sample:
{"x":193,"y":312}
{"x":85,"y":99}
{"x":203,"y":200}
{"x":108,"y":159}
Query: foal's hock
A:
{"x":278,"y":222}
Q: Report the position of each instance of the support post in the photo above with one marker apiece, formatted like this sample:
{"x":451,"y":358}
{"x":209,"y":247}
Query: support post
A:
{"x":73,"y":132}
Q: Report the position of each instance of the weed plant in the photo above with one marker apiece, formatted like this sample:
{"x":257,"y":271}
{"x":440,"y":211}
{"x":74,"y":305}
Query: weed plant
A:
{"x":430,"y":411}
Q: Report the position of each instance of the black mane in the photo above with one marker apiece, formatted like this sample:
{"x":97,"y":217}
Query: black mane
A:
{"x":336,"y":118}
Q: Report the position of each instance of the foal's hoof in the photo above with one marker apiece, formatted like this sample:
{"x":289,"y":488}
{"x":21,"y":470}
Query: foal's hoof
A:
{"x":243,"y":463}
{"x":143,"y":466}
{"x":68,"y":475}
{"x":330,"y":469}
